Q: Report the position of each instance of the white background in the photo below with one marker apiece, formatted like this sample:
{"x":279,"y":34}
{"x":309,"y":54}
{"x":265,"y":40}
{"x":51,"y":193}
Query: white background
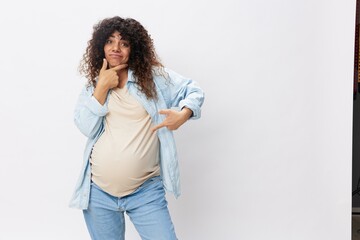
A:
{"x":271,"y":156}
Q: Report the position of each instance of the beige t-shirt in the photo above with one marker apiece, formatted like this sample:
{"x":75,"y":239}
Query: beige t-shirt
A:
{"x":127,"y":153}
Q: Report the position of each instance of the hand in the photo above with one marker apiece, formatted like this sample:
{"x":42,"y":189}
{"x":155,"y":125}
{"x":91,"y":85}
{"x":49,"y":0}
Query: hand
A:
{"x":174,"y":119}
{"x":108,"y":78}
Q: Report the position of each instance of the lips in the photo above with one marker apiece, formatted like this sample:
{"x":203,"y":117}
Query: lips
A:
{"x":115,"y":55}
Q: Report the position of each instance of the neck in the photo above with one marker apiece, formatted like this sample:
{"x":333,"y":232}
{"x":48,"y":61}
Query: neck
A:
{"x":123,"y":77}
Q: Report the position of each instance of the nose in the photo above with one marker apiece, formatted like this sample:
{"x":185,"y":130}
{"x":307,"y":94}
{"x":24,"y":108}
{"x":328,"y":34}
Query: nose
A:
{"x":116,"y":47}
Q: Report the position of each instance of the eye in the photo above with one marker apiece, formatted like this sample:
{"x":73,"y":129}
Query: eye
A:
{"x":108,"y":41}
{"x":125,"y":44}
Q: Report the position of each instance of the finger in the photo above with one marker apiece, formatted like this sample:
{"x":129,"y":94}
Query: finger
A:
{"x":119,"y":67}
{"x":158,"y":126}
{"x":164,"y":111}
{"x":104,"y":66}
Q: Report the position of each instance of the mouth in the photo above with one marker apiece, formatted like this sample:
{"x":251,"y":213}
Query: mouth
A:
{"x":114,"y":55}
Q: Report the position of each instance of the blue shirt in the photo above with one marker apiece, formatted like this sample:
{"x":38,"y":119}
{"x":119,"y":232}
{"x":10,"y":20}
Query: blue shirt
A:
{"x":173,"y":91}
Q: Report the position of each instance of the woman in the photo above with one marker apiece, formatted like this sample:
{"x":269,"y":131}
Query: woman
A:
{"x":128,"y":110}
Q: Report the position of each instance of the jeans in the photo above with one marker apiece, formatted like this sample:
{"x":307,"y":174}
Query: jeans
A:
{"x":146,"y":208}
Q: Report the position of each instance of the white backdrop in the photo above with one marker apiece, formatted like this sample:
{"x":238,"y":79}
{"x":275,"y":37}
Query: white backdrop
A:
{"x":271,"y":156}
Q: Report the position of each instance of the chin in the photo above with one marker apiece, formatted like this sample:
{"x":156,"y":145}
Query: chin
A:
{"x":114,"y":64}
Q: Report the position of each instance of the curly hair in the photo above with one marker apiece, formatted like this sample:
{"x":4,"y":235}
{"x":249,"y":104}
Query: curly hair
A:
{"x":142,"y":52}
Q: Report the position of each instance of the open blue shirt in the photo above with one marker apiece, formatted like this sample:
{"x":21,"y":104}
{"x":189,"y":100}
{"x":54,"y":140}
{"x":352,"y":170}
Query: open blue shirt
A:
{"x":173,"y":91}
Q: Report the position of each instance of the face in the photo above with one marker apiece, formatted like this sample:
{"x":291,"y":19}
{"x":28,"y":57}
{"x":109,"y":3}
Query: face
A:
{"x":117,"y":51}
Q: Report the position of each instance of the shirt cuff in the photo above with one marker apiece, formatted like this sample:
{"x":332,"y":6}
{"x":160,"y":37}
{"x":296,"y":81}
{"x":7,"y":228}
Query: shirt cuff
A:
{"x":95,"y":107}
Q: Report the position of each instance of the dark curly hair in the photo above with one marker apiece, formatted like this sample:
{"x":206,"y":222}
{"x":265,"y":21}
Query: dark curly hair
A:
{"x":142,"y":52}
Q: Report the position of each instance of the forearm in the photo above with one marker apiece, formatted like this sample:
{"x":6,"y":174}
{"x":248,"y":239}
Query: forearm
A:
{"x":100,"y":93}
{"x":186,"y":112}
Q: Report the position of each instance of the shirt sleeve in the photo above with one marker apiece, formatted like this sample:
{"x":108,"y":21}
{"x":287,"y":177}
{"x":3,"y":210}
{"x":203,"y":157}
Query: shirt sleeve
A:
{"x":185,"y":92}
{"x":89,"y":113}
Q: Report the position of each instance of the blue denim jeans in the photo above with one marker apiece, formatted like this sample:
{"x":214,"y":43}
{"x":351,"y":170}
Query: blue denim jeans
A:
{"x":146,"y":208}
